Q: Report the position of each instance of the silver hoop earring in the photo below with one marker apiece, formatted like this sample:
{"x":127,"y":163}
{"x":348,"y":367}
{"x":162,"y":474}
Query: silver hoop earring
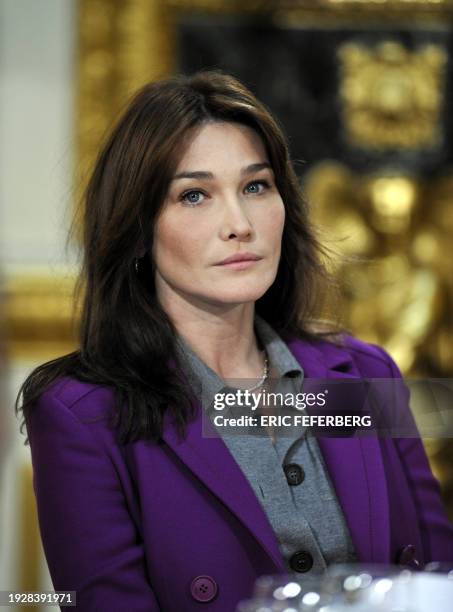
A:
{"x":136,"y":260}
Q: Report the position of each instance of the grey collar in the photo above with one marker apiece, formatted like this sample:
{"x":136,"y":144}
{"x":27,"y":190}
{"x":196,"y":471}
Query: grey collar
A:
{"x":206,"y":383}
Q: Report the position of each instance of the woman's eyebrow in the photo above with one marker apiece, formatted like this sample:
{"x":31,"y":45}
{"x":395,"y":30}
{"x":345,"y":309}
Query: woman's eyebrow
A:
{"x":203,"y":174}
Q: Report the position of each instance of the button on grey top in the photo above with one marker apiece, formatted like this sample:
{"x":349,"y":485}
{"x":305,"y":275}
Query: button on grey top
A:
{"x":305,"y":516}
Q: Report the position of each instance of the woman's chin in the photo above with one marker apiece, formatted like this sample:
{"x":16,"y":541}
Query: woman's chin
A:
{"x":236,"y":295}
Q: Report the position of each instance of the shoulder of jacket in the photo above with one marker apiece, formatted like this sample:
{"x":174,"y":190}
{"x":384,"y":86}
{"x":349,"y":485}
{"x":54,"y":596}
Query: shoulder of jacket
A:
{"x":361,"y":349}
{"x":82,"y":398}
{"x":370,"y":358}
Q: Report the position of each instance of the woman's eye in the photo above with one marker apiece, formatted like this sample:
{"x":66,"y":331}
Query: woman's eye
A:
{"x":191,"y":197}
{"x":256,"y":184}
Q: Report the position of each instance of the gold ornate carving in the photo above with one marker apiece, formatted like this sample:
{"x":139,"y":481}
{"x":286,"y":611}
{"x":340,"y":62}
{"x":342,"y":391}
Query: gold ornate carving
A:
{"x":125,"y":43}
{"x":39,"y":314}
{"x":370,"y":5}
{"x":345,"y":12}
{"x":398,"y":294}
{"x":312,"y":5}
{"x":391,"y":97}
{"x":122,"y":45}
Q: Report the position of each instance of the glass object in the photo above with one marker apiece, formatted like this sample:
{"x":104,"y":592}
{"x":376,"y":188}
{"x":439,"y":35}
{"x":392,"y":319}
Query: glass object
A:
{"x":357,"y":582}
{"x":358,"y":587}
{"x":440,"y":567}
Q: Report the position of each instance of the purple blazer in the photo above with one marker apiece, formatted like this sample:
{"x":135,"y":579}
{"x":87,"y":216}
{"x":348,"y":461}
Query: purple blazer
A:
{"x":176,"y":527}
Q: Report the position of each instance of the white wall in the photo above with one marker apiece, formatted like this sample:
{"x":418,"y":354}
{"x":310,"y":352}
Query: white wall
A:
{"x":37,"y":86}
{"x":36,"y":125}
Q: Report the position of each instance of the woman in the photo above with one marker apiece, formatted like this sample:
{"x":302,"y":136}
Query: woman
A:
{"x":200,"y":266}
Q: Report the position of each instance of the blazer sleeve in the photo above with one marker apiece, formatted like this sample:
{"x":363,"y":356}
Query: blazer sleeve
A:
{"x":89,"y":538}
{"x":435,"y":528}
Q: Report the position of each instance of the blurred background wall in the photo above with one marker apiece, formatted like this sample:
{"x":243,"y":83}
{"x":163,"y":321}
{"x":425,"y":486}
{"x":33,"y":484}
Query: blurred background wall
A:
{"x":37,"y":155}
{"x":363,"y":90}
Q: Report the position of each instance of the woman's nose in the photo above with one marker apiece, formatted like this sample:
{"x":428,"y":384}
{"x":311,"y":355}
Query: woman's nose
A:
{"x":235,"y":222}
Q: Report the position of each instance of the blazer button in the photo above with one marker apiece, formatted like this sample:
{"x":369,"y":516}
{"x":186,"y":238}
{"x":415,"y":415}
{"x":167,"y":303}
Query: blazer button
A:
{"x":203,"y":588}
{"x":406,"y":556}
{"x":294,"y":474}
{"x":301,"y":561}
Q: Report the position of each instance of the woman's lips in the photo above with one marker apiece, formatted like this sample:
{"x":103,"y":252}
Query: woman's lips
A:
{"x":242,"y":264}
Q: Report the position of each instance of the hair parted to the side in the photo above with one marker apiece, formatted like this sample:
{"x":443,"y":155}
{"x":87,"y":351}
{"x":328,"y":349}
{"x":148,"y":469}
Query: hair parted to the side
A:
{"x":126,"y":338}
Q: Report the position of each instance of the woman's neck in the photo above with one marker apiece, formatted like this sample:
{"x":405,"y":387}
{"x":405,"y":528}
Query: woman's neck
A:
{"x":223,"y":337}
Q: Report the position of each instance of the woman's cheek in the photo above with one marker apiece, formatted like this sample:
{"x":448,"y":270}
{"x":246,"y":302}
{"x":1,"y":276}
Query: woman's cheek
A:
{"x":170,"y":245}
{"x":282,"y":214}
{"x":275,"y":223}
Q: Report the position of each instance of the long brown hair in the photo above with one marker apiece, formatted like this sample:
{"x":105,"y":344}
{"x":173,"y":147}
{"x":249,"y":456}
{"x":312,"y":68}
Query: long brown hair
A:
{"x":126,"y":338}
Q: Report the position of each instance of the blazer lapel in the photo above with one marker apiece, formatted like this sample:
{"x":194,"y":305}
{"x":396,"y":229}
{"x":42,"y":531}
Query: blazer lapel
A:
{"x":354,"y":463}
{"x":210,"y":460}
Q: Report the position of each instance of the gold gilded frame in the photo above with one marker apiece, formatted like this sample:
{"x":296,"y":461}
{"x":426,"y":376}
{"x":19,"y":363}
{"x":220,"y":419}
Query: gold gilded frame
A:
{"x":125,"y":43}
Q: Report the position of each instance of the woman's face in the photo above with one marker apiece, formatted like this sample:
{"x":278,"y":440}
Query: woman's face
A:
{"x":221,"y":202}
